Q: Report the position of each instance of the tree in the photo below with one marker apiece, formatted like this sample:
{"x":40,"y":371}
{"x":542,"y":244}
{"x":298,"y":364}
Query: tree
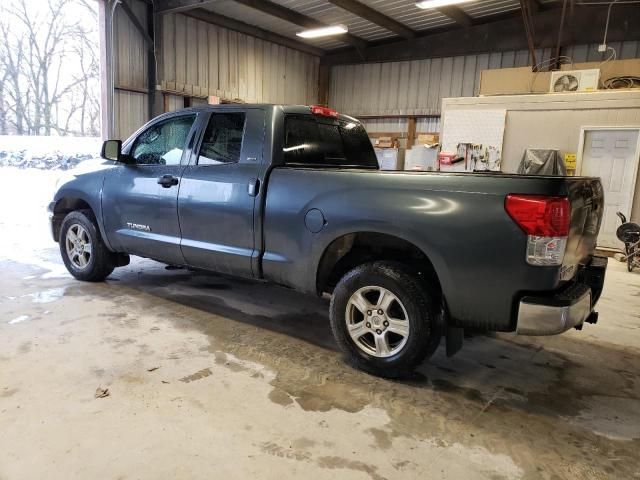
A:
{"x":49,"y":67}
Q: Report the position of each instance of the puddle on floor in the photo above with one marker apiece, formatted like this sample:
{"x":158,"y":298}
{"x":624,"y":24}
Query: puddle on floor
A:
{"x":612,"y":417}
{"x":20,"y":319}
{"x":48,"y":296}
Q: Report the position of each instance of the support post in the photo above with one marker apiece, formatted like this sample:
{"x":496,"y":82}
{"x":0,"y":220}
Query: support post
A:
{"x":411,"y":132}
{"x":105,"y":21}
{"x":152,"y":104}
{"x":324,"y":72}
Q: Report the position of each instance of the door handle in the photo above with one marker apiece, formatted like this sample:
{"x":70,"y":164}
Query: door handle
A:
{"x":167,"y":181}
{"x":254,"y":187}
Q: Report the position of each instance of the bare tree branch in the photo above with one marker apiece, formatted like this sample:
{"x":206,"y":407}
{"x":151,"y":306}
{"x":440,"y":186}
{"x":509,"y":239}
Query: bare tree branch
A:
{"x":49,"y":68}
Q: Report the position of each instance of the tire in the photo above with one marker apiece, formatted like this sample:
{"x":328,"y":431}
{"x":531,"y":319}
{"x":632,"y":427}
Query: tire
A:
{"x":98,"y":261}
{"x":374,"y":342}
{"x":630,"y":257}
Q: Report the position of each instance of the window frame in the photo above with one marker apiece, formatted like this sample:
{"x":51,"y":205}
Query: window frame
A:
{"x":195,"y":162}
{"x":184,"y":159}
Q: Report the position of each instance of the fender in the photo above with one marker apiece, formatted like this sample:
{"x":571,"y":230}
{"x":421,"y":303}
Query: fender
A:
{"x":86,"y":187}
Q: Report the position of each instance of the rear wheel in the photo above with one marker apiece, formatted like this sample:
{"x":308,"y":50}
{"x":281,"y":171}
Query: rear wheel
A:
{"x":385,"y":319}
{"x":83,"y":251}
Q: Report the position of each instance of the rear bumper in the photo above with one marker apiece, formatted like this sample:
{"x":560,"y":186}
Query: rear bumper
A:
{"x":570,"y":307}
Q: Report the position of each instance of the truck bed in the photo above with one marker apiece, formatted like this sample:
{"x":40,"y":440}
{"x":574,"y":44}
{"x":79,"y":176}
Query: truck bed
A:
{"x":477,"y":250}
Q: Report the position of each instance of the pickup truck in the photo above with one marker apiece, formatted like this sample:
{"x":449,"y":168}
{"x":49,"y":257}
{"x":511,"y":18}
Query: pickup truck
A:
{"x":294,"y":195}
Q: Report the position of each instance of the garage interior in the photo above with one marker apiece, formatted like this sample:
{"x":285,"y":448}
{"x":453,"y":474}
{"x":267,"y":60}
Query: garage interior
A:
{"x":163,"y":372}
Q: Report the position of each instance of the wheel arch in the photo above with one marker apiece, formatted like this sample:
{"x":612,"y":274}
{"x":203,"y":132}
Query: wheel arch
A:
{"x":62,"y":208}
{"x":352,"y":249}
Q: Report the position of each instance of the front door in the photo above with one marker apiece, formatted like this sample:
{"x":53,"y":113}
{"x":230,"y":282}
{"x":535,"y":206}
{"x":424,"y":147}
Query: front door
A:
{"x":140,"y":201}
{"x":612,"y":155}
{"x":218,"y":193}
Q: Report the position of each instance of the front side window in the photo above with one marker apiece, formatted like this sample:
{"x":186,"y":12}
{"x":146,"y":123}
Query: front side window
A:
{"x":315,"y":142}
{"x":164,"y":142}
{"x":222,"y":142}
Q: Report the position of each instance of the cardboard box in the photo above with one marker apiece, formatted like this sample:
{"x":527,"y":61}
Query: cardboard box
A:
{"x":428,"y":138}
{"x":385,"y":142}
{"x":521,"y":80}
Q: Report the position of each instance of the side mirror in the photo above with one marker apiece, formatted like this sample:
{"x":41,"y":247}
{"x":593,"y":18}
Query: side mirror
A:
{"x":112,"y":150}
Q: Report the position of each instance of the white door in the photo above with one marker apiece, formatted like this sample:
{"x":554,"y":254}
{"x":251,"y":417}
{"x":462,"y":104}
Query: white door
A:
{"x":612,"y":155}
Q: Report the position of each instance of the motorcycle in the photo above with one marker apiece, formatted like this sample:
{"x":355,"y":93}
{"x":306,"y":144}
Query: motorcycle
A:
{"x":629,"y":234}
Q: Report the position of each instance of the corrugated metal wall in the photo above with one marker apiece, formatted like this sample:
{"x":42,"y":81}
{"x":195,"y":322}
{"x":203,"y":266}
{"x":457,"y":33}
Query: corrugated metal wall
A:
{"x":130,"y":71}
{"x":203,"y":59}
{"x":129,"y":49}
{"x":199,"y":59}
{"x":130,"y":109}
{"x":417,"y":87}
{"x":390,"y":125}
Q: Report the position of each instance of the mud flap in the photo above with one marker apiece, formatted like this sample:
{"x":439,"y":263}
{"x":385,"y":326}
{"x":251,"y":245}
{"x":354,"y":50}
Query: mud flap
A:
{"x":122,"y":259}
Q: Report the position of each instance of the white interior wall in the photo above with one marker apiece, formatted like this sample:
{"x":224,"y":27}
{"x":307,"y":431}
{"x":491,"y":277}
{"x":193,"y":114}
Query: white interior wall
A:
{"x":554,"y":121}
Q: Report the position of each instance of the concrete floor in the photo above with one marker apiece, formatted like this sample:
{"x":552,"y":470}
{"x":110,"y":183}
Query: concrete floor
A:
{"x":210,"y":377}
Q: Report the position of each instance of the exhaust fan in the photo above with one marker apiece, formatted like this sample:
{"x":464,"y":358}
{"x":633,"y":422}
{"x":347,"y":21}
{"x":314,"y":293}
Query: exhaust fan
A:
{"x":574,"y":81}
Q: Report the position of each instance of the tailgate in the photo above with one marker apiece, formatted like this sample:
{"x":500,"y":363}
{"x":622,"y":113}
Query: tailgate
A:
{"x":587,"y":206}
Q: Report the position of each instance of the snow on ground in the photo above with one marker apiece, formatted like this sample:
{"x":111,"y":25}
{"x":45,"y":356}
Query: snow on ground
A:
{"x":47,"y":153}
{"x":24,"y":225}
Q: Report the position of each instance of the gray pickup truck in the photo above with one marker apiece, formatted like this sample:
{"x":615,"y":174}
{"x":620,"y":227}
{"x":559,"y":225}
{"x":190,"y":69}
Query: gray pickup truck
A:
{"x":293,"y":195}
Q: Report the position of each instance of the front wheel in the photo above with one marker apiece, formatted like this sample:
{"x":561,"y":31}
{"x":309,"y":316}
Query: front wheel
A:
{"x":83,"y":251}
{"x":385,"y":319}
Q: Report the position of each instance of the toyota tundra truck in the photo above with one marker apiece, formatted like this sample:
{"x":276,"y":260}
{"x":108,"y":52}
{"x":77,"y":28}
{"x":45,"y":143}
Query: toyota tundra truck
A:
{"x":293,"y":195}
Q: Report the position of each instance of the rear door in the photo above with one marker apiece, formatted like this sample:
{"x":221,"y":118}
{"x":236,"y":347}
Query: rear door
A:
{"x":141,"y":200}
{"x":219,"y":190}
{"x":612,"y":155}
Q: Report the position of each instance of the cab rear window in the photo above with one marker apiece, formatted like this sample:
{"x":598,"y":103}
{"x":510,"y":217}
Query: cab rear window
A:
{"x":314,"y":142}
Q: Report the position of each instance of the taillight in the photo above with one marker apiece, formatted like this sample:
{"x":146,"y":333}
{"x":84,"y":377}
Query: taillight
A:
{"x":323,"y":111}
{"x":546,"y":221}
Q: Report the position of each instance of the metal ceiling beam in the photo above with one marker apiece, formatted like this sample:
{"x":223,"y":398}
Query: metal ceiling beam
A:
{"x":177,"y":6}
{"x":457,"y":15}
{"x":238,"y":26}
{"x":504,"y":35}
{"x":374,"y":16}
{"x":291,"y":16}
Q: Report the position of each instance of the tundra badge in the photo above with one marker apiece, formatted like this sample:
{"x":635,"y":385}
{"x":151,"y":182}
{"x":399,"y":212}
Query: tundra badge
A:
{"x":138,"y":226}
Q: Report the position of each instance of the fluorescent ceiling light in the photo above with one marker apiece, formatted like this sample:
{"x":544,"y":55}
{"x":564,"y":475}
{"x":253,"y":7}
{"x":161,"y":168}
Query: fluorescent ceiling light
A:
{"x":439,"y":3}
{"x":323,"y":31}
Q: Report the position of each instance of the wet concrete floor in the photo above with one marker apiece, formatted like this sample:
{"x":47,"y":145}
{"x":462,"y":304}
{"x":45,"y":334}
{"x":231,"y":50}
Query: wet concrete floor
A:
{"x":212,"y":377}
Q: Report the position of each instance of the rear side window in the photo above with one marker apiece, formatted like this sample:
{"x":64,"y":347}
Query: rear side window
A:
{"x":327,"y":143}
{"x":222,"y":142}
